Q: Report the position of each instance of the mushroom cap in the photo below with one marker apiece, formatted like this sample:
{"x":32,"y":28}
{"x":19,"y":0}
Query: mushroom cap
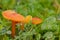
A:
{"x":36,"y":20}
{"x":12,"y":15}
{"x":28,"y":19}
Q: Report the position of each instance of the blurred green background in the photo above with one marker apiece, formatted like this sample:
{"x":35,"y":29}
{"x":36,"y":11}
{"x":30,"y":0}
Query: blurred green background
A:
{"x":48,"y":10}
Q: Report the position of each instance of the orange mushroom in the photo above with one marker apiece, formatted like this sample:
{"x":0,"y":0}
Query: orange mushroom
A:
{"x":36,"y":20}
{"x":26,"y":20}
{"x":14,"y":17}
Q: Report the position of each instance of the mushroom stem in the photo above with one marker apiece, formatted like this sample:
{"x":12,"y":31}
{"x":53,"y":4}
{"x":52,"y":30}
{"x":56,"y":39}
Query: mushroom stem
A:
{"x":22,"y":26}
{"x":13,"y":29}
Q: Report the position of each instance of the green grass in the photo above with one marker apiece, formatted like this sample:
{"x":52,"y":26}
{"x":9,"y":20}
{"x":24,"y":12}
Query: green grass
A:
{"x":48,"y":10}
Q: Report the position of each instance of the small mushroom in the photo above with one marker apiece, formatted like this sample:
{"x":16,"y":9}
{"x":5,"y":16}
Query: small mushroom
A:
{"x":14,"y":17}
{"x":36,"y":20}
{"x":28,"y":19}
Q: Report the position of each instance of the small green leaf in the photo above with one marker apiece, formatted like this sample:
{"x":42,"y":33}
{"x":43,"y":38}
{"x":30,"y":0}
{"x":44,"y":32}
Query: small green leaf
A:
{"x":1,"y":27}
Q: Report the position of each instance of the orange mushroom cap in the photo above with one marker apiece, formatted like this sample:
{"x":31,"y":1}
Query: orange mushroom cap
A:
{"x":12,"y":15}
{"x":36,"y":20}
{"x":28,"y":19}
